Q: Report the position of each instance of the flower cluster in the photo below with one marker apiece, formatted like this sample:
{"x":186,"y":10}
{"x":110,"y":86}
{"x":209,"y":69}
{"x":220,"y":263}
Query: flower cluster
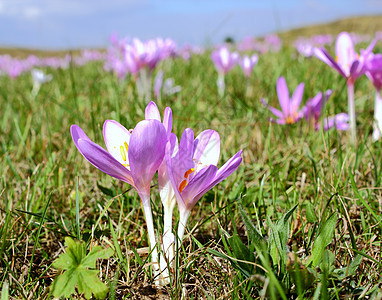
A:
{"x":291,"y":112}
{"x":186,"y":171}
{"x":139,"y":58}
{"x":350,"y":65}
{"x":14,"y":67}
{"x":224,"y":61}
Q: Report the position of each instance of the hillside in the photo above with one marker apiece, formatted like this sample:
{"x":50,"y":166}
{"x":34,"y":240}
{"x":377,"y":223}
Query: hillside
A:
{"x":361,"y":25}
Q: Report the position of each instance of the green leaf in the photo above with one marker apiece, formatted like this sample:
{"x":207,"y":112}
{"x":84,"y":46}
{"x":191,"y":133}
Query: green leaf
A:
{"x":97,"y":252}
{"x":78,"y":272}
{"x":350,"y":270}
{"x":65,"y":283}
{"x":5,"y":291}
{"x":106,"y":191}
{"x":64,"y":262}
{"x":323,"y":239}
{"x":253,"y":234}
{"x":241,"y":252}
{"x":278,"y":238}
{"x":89,"y":283}
{"x":76,"y":250}
{"x":310,"y":214}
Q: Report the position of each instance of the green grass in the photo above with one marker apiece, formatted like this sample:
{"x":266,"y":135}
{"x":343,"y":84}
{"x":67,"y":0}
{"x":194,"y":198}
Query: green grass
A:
{"x":335,"y":186}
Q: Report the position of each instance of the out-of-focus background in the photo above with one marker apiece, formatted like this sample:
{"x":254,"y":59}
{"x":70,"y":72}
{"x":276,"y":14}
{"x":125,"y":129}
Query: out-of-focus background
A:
{"x":58,"y":24}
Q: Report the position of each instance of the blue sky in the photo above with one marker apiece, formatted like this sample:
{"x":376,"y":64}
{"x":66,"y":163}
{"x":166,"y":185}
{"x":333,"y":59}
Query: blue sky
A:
{"x":58,"y":24}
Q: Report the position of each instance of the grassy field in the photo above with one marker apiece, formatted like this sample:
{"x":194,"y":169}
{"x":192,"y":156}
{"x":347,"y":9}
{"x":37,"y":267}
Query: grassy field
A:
{"x":313,"y":196}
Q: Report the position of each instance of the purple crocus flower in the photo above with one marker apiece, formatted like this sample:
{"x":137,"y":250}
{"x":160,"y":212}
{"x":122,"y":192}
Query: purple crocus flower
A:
{"x":192,"y":169}
{"x":350,"y":65}
{"x":313,"y":107}
{"x":374,"y":73}
{"x":374,"y":70}
{"x":304,"y":47}
{"x":290,"y":112}
{"x":247,"y":63}
{"x":224,"y":60}
{"x":339,"y":121}
{"x":166,"y":192}
{"x":132,"y":156}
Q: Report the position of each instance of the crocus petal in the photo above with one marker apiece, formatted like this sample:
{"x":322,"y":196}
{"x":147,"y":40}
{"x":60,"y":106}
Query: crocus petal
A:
{"x":152,"y":112}
{"x":207,"y":148}
{"x":167,"y":120}
{"x":117,"y":139}
{"x":322,"y":54}
{"x":77,"y":133}
{"x":227,"y":169}
{"x":297,"y":97}
{"x":345,"y":52}
{"x":186,"y":146}
{"x":146,"y":152}
{"x":183,"y":159}
{"x":171,"y":176}
{"x":283,"y":94}
{"x":273,"y":110}
{"x":164,"y":183}
{"x":357,"y":69}
{"x":103,"y":160}
{"x":194,"y":190}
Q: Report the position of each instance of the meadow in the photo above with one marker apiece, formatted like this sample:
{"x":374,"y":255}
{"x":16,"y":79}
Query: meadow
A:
{"x":299,"y":218}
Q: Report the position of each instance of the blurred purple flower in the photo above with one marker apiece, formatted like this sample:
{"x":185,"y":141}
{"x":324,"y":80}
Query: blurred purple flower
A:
{"x":224,"y":60}
{"x":247,"y":64}
{"x":339,"y":121}
{"x":374,"y":73}
{"x":350,"y":65}
{"x":304,"y":47}
{"x":374,"y":70}
{"x":274,"y":42}
{"x":313,"y":107}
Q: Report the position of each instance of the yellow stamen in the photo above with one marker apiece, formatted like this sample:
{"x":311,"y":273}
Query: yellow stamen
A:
{"x":182,"y":185}
{"x":126,"y":146}
{"x":290,"y":120}
{"x":189,"y":172}
{"x":123,"y":153}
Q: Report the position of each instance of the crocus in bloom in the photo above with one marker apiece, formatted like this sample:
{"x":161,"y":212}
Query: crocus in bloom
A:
{"x":247,"y":63}
{"x":192,"y":169}
{"x":223,"y":61}
{"x":374,"y":73}
{"x":313,"y":107}
{"x":349,"y":65}
{"x":132,"y":156}
{"x":339,"y":121}
{"x":166,"y":193}
{"x":38,"y":78}
{"x":290,"y":112}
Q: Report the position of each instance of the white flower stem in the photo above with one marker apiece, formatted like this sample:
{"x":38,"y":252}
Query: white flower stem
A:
{"x":377,"y":116}
{"x":182,"y":225}
{"x":146,"y":83}
{"x":351,"y":107}
{"x":150,"y":230}
{"x":221,"y":84}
